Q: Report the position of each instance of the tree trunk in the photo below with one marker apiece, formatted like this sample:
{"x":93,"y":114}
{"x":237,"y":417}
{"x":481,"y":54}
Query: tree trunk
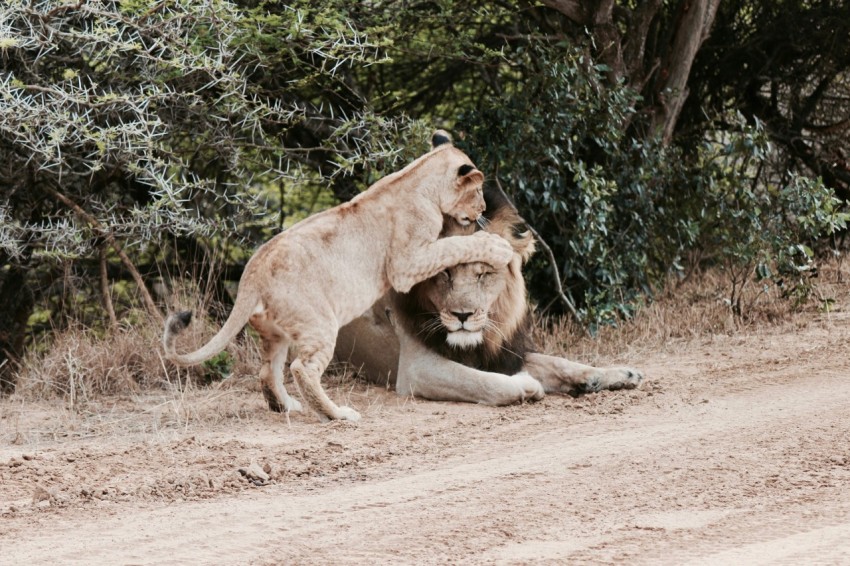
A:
{"x":16,"y":304}
{"x":666,"y":67}
{"x":598,"y":17}
{"x":692,"y":26}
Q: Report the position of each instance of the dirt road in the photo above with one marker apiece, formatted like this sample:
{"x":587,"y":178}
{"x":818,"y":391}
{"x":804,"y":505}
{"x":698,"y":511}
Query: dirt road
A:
{"x":736,"y":451}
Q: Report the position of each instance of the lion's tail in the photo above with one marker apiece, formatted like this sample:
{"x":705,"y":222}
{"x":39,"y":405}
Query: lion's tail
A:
{"x":176,"y":323}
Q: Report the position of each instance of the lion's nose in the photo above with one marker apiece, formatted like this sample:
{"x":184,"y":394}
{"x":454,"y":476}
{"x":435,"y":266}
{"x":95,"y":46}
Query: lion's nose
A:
{"x":461,"y":316}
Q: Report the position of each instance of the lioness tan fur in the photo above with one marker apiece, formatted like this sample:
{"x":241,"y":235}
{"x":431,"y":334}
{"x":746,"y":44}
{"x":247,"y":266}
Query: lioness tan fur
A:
{"x":303,"y":284}
{"x":464,"y":335}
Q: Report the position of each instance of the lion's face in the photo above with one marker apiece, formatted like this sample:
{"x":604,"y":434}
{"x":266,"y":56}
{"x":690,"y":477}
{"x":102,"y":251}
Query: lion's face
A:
{"x":468,"y":203}
{"x":462,"y":297}
{"x":472,"y":313}
{"x":463,"y":196}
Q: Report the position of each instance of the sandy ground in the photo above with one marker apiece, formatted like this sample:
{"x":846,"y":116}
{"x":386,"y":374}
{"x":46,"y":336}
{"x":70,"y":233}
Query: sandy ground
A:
{"x":735,"y":451}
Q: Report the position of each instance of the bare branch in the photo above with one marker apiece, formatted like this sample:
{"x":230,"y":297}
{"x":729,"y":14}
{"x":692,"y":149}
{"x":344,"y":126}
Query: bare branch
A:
{"x":104,"y":291}
{"x":552,"y":262}
{"x":572,"y":9}
{"x":555,"y":276}
{"x":96,"y":226}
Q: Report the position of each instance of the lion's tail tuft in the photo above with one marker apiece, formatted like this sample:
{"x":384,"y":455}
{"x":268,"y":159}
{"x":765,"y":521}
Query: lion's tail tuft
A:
{"x":174,"y":325}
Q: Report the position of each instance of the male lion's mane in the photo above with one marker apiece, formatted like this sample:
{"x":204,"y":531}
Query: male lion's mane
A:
{"x":507,"y":337}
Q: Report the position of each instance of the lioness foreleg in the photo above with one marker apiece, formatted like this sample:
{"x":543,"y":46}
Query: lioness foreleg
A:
{"x":409,"y":267}
{"x":564,"y":376}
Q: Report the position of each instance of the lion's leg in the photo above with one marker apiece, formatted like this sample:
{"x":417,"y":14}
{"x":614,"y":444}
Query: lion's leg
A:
{"x":428,"y":375}
{"x":271,"y":377}
{"x":407,"y":267}
{"x":563,"y":376}
{"x":307,"y":369}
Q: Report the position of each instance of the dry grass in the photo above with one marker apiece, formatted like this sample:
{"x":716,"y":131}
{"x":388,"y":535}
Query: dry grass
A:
{"x":84,"y":383}
{"x":153,"y":414}
{"x":119,"y":382}
{"x":79,"y":364}
{"x":696,"y":309}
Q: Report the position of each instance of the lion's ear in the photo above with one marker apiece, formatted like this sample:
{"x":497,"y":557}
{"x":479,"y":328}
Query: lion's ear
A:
{"x":523,"y":242}
{"x":468,"y":175}
{"x":440,"y":137}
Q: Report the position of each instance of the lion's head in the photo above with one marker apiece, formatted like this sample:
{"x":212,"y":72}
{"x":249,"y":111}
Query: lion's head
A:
{"x":472,"y":313}
{"x":465,"y":202}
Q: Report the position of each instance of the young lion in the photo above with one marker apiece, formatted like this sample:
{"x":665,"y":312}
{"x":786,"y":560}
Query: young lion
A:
{"x":305,"y":283}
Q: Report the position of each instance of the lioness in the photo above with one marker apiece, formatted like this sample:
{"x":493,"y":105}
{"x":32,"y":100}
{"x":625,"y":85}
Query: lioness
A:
{"x":464,"y":335}
{"x":306,"y":282}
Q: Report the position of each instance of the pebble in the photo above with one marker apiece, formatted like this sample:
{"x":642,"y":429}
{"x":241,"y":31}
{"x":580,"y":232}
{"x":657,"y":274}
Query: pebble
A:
{"x":255,"y":474}
{"x":40,"y":494}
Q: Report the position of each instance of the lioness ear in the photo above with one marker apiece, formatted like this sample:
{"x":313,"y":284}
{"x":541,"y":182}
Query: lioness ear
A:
{"x":468,"y":174}
{"x":440,"y":137}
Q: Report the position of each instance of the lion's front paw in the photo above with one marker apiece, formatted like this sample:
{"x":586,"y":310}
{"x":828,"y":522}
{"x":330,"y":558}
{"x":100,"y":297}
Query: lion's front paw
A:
{"x":348,"y":414}
{"x":290,"y":404}
{"x":532,"y":390}
{"x":617,"y":378}
{"x":498,"y":251}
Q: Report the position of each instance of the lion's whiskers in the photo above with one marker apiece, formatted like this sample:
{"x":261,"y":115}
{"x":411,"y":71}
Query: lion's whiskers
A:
{"x":501,"y":345}
{"x":431,"y":327}
{"x":494,"y":326}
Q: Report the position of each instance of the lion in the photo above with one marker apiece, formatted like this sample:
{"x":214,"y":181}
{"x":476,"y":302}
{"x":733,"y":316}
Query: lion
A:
{"x":301,"y":286}
{"x":465,"y":334}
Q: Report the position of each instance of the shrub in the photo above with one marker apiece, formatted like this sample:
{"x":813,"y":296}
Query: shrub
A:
{"x":621,"y":212}
{"x":756,"y":228}
{"x":606,"y":202}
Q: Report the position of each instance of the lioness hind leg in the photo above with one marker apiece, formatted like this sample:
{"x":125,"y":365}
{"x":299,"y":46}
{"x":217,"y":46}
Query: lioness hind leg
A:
{"x":307,"y":369}
{"x":271,"y":377}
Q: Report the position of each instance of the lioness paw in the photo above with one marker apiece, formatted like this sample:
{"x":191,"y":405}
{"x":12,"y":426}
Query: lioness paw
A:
{"x":348,"y":414}
{"x":499,"y":251}
{"x":290,"y":404}
{"x":283,"y":404}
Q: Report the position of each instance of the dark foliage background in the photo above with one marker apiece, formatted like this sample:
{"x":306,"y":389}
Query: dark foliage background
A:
{"x":144,"y":140}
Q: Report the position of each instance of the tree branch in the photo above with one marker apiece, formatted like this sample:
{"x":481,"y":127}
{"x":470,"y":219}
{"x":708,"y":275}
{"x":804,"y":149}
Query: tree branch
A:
{"x":695,"y":21}
{"x":555,"y":276}
{"x":570,"y":8}
{"x":92,"y":221}
{"x":104,"y":291}
{"x":636,"y":36}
